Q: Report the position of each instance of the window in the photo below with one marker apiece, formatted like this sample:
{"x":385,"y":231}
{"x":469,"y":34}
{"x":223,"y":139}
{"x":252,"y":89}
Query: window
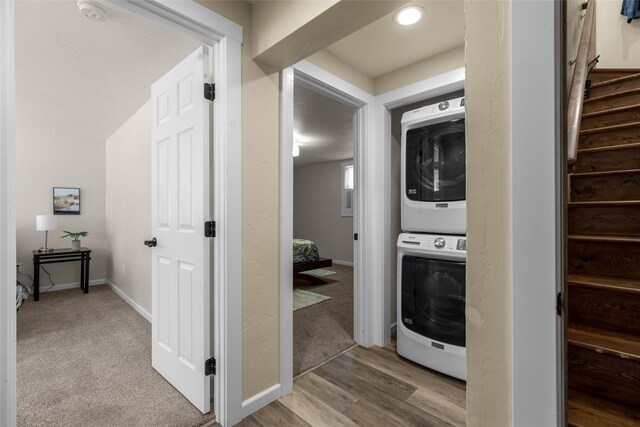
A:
{"x":348,"y":184}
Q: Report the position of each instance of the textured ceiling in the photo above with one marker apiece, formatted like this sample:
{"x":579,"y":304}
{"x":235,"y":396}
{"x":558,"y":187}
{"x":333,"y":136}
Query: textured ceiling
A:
{"x":385,"y":46}
{"x":323,"y":128}
{"x":73,"y":74}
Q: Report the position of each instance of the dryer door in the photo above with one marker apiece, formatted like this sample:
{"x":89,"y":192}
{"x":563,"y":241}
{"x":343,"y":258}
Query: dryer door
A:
{"x":435,"y":162}
{"x":433,"y":299}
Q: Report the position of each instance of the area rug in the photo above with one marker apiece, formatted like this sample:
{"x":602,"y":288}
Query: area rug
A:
{"x":319,"y":272}
{"x":302,"y":299}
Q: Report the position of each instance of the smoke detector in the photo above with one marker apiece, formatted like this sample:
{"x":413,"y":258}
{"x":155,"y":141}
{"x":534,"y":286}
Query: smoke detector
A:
{"x":92,"y":10}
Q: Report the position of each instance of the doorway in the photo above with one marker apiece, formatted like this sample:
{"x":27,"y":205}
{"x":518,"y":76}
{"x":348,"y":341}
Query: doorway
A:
{"x":209,"y":28}
{"x":100,"y":145}
{"x":324,"y":206}
{"x":315,"y":83}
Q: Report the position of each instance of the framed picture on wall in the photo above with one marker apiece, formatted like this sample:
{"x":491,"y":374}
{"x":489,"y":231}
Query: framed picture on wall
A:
{"x":66,"y":201}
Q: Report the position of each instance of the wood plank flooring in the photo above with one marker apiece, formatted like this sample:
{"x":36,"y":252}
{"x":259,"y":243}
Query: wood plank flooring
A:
{"x":368,"y":387}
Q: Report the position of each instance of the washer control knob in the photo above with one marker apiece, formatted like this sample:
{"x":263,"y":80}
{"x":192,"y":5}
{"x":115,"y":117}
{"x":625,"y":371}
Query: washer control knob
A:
{"x":439,"y":242}
{"x":443,"y":105}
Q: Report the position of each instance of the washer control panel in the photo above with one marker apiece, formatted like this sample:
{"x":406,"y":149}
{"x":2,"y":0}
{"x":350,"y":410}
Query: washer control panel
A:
{"x":436,"y":243}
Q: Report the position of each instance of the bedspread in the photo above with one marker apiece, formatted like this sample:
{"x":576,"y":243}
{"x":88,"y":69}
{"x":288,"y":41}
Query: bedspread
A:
{"x":305,"y":251}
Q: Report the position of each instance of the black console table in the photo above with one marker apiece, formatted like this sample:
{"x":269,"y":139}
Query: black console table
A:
{"x":61,"y":255}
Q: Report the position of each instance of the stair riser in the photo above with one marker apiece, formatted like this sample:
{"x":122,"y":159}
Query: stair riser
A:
{"x":610,"y":160}
{"x":612,"y":102}
{"x":616,"y":87}
{"x":605,"y":221}
{"x":597,"y":76}
{"x":597,"y":308}
{"x":604,"y":259}
{"x":604,"y":375}
{"x":611,"y":119}
{"x":609,"y":138}
{"x":622,"y":186}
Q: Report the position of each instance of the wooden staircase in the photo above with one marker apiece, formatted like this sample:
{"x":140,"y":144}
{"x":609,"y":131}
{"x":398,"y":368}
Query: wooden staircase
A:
{"x":604,"y":256}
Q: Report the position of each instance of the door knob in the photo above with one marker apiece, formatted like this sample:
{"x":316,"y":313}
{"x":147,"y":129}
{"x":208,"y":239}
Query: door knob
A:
{"x":151,"y":243}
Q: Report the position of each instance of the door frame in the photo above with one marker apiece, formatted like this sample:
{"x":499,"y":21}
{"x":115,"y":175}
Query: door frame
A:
{"x":435,"y":86}
{"x":318,"y":80}
{"x":225,"y":37}
{"x":538,"y":154}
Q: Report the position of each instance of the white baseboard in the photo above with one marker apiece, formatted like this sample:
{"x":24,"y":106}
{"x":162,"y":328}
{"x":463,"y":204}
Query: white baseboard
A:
{"x":260,"y":400}
{"x":394,"y":328}
{"x":137,"y":307}
{"x":347,"y":263}
{"x":47,"y":287}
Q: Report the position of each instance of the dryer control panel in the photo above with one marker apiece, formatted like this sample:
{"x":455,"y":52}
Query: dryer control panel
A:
{"x":434,"y":110}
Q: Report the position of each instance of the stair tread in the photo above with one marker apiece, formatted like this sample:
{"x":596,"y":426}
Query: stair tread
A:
{"x":611,"y":95}
{"x":611,"y":111}
{"x":604,"y":341}
{"x":605,"y":203}
{"x":605,"y":283}
{"x":586,"y":410}
{"x":613,"y":239}
{"x":610,"y":128}
{"x":616,"y":80}
{"x":614,"y":172}
{"x":609,"y":148}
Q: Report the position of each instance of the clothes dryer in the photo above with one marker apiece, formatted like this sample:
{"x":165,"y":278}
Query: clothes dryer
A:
{"x":433,"y":168}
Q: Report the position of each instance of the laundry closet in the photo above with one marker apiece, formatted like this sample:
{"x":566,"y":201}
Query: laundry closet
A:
{"x":428,"y":192}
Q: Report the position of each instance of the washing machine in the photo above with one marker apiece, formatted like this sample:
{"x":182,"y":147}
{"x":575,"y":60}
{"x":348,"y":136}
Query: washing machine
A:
{"x":433,"y":168}
{"x":431,"y":324}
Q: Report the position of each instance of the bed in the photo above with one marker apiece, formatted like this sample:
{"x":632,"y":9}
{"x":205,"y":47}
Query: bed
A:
{"x":306,"y":257}
{"x":22,"y":293}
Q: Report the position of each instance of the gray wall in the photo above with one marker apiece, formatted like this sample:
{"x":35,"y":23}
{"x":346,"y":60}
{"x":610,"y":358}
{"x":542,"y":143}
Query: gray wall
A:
{"x":317,"y":210}
{"x":47,"y":158}
{"x":396,"y":138}
{"x":128,"y":207}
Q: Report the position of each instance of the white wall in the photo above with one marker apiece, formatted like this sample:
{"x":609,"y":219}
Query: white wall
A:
{"x":573,"y":26}
{"x":317,"y":212}
{"x":47,"y":158}
{"x":617,"y":42}
{"x":128,"y":208}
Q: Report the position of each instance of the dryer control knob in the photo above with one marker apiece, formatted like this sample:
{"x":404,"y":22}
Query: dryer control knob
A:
{"x":443,"y":105}
{"x":439,"y":242}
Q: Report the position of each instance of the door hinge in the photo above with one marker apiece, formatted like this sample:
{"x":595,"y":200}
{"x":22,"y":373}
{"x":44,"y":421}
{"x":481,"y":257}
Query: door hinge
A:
{"x":209,"y":229}
{"x":559,"y":304}
{"x":355,"y":236}
{"x":210,"y":91}
{"x":210,"y":366}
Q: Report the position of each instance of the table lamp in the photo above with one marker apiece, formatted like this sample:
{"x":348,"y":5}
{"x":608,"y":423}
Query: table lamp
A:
{"x":46,"y":223}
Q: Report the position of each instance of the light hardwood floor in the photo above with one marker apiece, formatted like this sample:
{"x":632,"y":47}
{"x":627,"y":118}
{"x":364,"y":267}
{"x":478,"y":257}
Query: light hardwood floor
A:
{"x":368,"y":387}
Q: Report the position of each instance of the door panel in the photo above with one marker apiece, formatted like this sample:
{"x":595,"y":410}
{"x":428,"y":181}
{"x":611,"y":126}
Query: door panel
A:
{"x":181,"y":203}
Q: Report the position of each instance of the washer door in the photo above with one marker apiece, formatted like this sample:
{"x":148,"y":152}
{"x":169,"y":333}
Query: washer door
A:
{"x":433,"y":299}
{"x":435,"y":162}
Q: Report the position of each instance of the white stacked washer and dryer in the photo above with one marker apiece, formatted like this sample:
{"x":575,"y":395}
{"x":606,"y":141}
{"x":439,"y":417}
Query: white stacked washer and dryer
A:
{"x":432,"y":247}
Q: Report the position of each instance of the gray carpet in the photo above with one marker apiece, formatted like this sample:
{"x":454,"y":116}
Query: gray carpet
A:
{"x":85,"y":360}
{"x":324,"y":330}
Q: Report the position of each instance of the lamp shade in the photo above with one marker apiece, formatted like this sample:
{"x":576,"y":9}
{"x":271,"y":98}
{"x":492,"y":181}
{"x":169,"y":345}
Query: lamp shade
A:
{"x":46,"y":222}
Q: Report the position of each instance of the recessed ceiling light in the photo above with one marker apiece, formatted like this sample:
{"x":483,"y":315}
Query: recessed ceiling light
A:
{"x":409,"y":15}
{"x":92,"y":10}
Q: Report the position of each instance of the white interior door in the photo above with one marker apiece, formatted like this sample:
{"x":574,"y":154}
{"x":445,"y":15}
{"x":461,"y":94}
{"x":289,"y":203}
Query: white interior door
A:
{"x":180,"y":206}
